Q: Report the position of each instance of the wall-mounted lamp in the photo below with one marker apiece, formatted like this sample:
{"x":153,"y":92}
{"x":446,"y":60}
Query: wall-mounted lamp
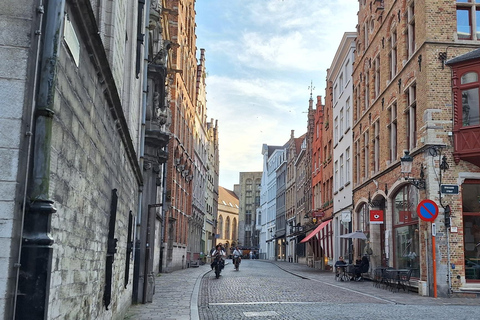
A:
{"x":406,"y":168}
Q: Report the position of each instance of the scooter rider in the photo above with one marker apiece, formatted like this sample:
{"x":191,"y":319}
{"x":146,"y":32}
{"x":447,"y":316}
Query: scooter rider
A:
{"x":237,"y":253}
{"x":220,"y":253}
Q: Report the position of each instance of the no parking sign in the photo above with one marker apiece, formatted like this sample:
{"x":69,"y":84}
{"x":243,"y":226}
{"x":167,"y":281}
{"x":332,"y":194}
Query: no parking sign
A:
{"x":427,"y":210}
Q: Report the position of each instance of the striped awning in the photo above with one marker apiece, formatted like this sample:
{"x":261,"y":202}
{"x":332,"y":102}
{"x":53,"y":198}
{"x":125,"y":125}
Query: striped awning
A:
{"x":323,"y":235}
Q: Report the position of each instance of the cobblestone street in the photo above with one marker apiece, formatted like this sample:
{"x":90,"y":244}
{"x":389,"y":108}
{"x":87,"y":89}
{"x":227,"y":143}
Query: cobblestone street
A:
{"x":282,"y":290}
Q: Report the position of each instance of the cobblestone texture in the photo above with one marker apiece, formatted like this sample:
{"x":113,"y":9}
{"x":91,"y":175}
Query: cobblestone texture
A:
{"x":262,"y":290}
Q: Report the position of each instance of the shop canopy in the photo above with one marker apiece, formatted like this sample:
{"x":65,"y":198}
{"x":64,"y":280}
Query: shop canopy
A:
{"x":314,"y":232}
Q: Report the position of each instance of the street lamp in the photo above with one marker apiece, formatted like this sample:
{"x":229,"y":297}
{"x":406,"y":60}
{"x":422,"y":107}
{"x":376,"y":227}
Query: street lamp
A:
{"x":406,"y":163}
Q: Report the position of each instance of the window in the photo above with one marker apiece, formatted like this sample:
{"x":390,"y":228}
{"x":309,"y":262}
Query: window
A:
{"x":405,"y":230}
{"x":335,"y":93}
{"x":347,"y":165}
{"x":377,"y":77}
{"x":470,"y":104}
{"x":392,"y":55}
{"x":392,"y":132}
{"x":336,"y":130}
{"x":363,"y":224}
{"x":376,"y":145}
{"x":342,"y":182}
{"x":365,"y":28}
{"x":340,"y":82}
{"x":412,"y":117}
{"x":471,"y":227}
{"x":341,"y":123}
{"x":367,"y":90}
{"x":411,"y":29}
{"x":357,"y":161}
{"x":336,"y":176}
{"x":347,"y":115}
{"x":366,"y":154}
{"x":468,"y":19}
{"x":358,"y":102}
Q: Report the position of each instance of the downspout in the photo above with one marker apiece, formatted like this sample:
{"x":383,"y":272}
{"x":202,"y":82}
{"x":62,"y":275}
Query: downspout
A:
{"x":138,"y":224}
{"x":28,"y":150}
{"x":36,"y":250}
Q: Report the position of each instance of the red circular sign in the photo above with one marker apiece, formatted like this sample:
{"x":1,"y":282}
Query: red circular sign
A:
{"x":427,"y":210}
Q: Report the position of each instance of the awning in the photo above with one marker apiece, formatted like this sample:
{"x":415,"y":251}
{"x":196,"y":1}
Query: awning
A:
{"x":317,"y":230}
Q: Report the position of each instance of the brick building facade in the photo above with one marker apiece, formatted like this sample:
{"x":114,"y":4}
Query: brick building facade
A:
{"x":403,"y":108}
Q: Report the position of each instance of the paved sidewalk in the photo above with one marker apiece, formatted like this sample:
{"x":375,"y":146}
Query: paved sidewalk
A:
{"x":175,"y":298}
{"x":176,"y":294}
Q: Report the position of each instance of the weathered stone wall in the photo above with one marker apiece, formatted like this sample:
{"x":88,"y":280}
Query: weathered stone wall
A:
{"x":17,"y":42}
{"x":89,"y":160}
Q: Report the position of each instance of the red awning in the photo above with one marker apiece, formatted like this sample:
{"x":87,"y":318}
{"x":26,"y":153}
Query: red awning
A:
{"x":317,"y":230}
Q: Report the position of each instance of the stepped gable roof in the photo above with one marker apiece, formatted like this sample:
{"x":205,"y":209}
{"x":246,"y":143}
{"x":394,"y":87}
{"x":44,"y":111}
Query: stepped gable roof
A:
{"x":475,"y":54}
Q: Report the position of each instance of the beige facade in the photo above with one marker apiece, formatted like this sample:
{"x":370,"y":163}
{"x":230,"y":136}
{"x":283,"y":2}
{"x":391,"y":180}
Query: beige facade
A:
{"x":227,"y":219}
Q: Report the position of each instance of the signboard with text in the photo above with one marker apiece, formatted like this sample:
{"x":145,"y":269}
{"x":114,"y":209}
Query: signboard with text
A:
{"x":449,"y":188}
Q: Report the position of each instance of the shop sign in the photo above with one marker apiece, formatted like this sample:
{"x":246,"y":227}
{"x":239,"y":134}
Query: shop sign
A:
{"x":376,"y":216}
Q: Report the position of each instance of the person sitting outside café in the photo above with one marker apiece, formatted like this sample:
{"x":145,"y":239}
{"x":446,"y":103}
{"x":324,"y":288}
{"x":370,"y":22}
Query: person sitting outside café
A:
{"x":361,"y":268}
{"x":338,"y":266}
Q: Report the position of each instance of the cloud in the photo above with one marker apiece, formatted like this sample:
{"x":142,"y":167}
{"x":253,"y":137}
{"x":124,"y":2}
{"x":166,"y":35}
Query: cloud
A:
{"x":260,"y":59}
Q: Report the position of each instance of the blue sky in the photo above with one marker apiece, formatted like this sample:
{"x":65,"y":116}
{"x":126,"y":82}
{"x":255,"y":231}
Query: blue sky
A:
{"x":261,"y":56}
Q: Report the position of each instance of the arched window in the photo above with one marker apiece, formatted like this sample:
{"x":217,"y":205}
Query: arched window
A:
{"x":220,"y":227}
{"x":363,"y":224}
{"x":406,"y":253}
{"x":234,"y":230}
{"x":227,"y":228}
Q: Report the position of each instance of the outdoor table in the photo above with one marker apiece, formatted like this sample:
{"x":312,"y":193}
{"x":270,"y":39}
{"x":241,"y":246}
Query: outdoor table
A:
{"x":345,"y":269}
{"x":396,"y":277}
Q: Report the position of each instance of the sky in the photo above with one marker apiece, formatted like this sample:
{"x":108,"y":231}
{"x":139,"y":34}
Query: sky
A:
{"x":263,"y":57}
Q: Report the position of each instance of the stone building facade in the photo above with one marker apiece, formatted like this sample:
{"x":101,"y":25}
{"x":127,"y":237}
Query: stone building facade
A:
{"x":182,"y":80}
{"x":249,"y":201}
{"x":402,"y":110}
{"x":72,"y":167}
{"x":227,"y":226}
{"x":211,"y":196}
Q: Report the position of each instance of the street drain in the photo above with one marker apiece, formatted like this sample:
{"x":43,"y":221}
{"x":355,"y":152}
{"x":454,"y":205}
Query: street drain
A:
{"x":260,"y":314}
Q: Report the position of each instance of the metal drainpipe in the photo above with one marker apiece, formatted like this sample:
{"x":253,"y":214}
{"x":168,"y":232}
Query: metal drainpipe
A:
{"x":36,"y":250}
{"x":138,"y":226}
{"x":28,"y":148}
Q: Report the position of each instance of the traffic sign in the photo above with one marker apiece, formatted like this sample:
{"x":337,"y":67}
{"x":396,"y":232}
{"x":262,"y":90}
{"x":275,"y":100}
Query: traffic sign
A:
{"x":427,"y":210}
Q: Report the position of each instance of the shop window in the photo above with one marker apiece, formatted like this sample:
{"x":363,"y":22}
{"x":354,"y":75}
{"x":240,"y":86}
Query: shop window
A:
{"x":471,"y":230}
{"x":406,"y":253}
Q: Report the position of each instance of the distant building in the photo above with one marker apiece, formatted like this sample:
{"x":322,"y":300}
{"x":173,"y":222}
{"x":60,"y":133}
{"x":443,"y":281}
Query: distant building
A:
{"x":272,"y":157}
{"x":227,"y":219}
{"x":249,"y":201}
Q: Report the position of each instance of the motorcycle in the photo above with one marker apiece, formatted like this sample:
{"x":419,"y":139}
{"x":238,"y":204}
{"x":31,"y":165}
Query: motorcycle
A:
{"x":236,"y":261}
{"x":218,"y":265}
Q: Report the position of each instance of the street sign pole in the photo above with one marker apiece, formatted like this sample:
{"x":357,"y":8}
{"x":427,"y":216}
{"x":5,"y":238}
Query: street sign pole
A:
{"x":434,"y":234}
{"x":427,"y":210}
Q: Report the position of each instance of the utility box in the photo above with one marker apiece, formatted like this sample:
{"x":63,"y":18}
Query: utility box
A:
{"x":422,"y":288}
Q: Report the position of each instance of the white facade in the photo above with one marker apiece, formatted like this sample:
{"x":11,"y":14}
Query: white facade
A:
{"x":272,"y":159}
{"x":341,"y":75}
